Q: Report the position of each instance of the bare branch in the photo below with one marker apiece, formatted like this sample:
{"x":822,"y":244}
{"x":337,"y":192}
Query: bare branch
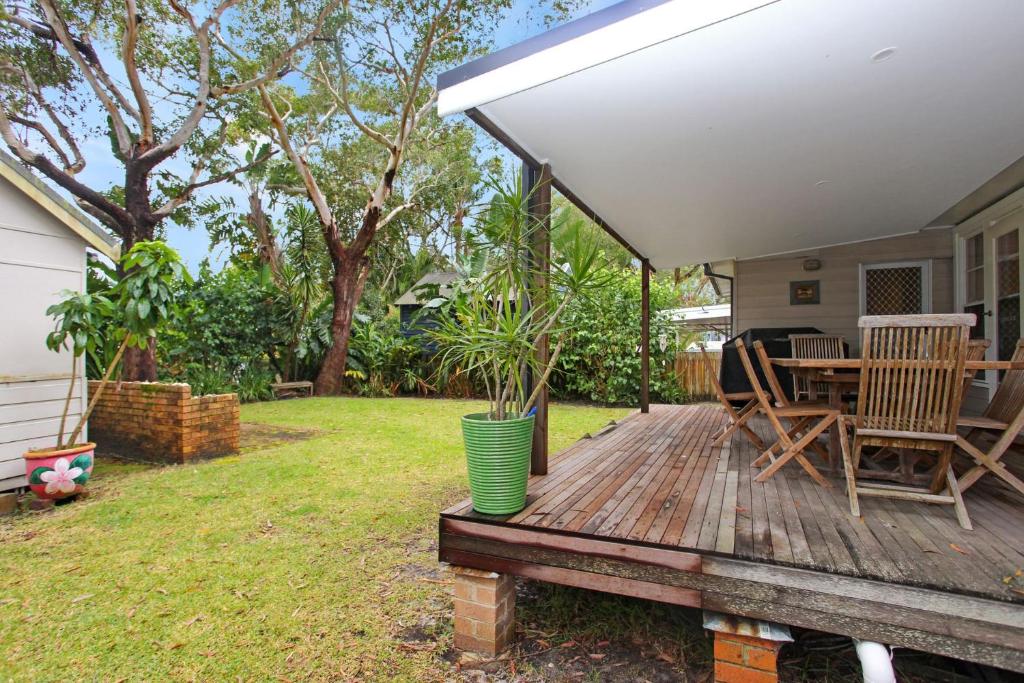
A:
{"x":131,"y":38}
{"x":391,"y":215}
{"x":91,"y":73}
{"x":47,"y":33}
{"x":46,"y":135}
{"x":118,"y":215}
{"x":273,"y":71}
{"x":316,"y":196}
{"x":194,"y":184}
{"x":342,"y":98}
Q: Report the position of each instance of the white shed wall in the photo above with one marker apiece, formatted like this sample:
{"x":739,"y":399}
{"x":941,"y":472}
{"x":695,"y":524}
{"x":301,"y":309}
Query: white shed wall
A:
{"x":39,"y":257}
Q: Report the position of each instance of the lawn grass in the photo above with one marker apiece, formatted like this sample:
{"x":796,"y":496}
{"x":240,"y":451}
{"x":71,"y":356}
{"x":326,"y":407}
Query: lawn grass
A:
{"x":306,"y":560}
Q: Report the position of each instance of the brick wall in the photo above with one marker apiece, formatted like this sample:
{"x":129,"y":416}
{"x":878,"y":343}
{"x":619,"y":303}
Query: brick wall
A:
{"x":745,"y":659}
{"x":158,"y":422}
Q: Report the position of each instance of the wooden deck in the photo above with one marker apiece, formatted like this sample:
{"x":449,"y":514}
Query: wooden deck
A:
{"x":650,"y":509}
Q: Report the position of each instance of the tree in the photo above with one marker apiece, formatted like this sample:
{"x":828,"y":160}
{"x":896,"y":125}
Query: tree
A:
{"x":139,"y":303}
{"x":376,"y":73}
{"x":182,"y":78}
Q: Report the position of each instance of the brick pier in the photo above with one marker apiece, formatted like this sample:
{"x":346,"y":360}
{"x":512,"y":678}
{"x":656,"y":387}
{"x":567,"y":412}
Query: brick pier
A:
{"x":485,"y":606}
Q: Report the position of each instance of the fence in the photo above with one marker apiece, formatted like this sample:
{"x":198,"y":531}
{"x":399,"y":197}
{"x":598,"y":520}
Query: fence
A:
{"x":692,"y":374}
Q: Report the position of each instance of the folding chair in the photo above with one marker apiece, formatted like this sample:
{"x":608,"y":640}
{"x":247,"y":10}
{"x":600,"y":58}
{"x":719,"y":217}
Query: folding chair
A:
{"x":976,"y":349}
{"x":737,"y":419}
{"x":1004,"y":419}
{"x":814,"y":346}
{"x":911,"y":384}
{"x":803,"y":430}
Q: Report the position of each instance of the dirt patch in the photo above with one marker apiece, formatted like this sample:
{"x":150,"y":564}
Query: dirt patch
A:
{"x":256,"y":436}
{"x":565,"y":635}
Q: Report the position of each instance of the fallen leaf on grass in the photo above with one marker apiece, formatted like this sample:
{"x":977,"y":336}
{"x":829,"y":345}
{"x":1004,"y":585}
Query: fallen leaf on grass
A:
{"x":602,"y":643}
{"x":82,"y":597}
{"x":957,"y":548}
{"x":598,"y":656}
{"x":665,"y":657}
{"x":568,"y":643}
{"x":198,"y":617}
{"x":175,"y":645}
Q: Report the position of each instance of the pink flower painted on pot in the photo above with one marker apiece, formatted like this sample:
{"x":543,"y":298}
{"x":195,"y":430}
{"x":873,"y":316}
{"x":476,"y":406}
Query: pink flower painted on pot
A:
{"x":62,"y":478}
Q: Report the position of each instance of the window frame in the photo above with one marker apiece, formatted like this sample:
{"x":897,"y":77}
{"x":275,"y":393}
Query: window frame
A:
{"x":926,"y":280}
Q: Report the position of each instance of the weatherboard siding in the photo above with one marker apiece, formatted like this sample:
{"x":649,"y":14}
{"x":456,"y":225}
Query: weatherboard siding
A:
{"x":39,"y":257}
{"x":762,"y":285}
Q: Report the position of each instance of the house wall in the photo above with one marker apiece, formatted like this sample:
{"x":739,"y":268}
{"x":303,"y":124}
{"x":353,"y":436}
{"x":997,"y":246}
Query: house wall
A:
{"x":761,"y":288}
{"x":39,"y":257}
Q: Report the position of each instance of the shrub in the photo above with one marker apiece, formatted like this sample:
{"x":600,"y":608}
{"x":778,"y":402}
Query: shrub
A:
{"x":600,"y":361}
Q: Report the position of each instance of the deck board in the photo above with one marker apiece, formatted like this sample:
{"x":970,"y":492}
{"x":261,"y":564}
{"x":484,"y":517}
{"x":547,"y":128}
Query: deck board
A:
{"x":656,"y":478}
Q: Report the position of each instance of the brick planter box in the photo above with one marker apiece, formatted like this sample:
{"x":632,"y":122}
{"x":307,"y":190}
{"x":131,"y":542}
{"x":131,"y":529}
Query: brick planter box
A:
{"x":156,"y":422}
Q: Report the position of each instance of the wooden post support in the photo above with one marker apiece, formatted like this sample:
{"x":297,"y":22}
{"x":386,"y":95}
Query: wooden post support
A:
{"x":538,"y":183}
{"x":645,"y":336}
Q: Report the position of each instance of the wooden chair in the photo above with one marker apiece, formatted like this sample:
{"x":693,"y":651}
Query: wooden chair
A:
{"x":976,"y":349}
{"x":737,"y":419}
{"x":803,"y":430}
{"x":1004,"y":419}
{"x":814,"y":346}
{"x":911,"y":384}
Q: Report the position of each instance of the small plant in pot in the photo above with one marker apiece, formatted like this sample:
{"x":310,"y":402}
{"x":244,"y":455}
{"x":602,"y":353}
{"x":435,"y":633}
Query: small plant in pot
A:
{"x":489,"y":327}
{"x":133,"y":309}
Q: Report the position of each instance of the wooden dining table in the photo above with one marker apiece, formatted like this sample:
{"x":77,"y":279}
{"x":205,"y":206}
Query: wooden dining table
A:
{"x":842,"y":375}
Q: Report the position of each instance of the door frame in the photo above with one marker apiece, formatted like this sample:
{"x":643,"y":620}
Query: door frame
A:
{"x":997,"y":220}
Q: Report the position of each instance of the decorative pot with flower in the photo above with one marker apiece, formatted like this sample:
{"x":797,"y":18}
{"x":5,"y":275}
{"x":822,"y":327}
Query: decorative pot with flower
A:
{"x":54,"y":474}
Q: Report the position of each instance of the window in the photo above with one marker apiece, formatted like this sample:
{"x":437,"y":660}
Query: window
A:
{"x":902,"y":288}
{"x":974,"y":282}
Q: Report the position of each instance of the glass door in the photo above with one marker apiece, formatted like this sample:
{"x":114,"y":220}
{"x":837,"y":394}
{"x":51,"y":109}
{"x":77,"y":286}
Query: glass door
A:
{"x":1007,"y":290}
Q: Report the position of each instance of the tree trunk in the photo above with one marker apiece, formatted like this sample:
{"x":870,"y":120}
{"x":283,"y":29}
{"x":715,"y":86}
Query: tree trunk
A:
{"x":140,"y":364}
{"x":350,"y":271}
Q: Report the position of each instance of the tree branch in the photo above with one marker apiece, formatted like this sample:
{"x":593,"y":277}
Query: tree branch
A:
{"x":131,"y":38}
{"x":91,"y":73}
{"x":172,"y":205}
{"x":118,"y":216}
{"x":329,"y":226}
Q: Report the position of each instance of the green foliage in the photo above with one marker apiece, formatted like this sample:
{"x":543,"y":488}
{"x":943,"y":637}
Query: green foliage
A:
{"x":600,"y":361}
{"x":145,"y":295}
{"x":490,"y":325}
{"x":205,"y":380}
{"x":80,"y":321}
{"x":254,"y":384}
{"x":224,"y":333}
{"x":385,"y":363}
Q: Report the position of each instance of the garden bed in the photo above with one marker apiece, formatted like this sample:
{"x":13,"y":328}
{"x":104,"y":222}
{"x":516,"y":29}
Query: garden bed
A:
{"x":157,"y":422}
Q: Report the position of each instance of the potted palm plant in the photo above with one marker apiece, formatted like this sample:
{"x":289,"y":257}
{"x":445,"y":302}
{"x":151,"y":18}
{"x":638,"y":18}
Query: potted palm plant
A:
{"x":136,"y":304}
{"x":489,"y":327}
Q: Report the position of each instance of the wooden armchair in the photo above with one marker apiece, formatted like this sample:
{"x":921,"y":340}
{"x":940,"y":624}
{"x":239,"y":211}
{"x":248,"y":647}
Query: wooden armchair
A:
{"x":807,"y":420}
{"x":737,"y":420}
{"x":1003,"y":419}
{"x":814,"y":346}
{"x":911,"y":384}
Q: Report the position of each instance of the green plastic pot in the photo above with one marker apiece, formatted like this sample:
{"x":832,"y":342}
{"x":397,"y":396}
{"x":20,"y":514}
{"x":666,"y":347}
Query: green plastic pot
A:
{"x":498,"y":458}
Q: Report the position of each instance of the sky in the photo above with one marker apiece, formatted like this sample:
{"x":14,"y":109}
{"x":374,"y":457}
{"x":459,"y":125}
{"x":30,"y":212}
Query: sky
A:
{"x":103,"y":170}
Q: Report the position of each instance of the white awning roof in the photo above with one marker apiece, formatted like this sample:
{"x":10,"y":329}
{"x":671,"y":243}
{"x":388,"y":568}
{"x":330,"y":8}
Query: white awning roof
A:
{"x":702,"y":130}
